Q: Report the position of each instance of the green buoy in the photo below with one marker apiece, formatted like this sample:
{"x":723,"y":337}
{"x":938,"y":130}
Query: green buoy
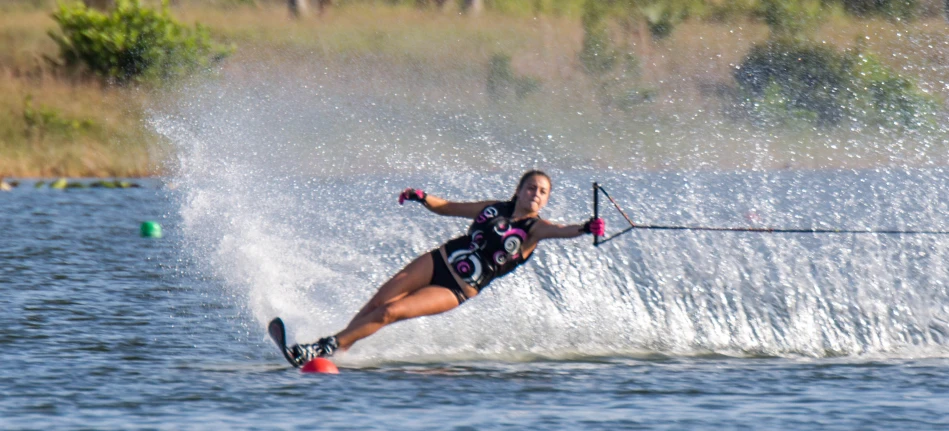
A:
{"x":151,"y":229}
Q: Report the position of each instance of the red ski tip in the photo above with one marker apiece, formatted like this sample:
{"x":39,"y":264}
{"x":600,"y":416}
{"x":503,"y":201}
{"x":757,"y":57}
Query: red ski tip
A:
{"x":320,"y":365}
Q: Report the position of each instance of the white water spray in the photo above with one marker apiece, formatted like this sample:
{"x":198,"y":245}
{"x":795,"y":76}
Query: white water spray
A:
{"x":289,"y":198}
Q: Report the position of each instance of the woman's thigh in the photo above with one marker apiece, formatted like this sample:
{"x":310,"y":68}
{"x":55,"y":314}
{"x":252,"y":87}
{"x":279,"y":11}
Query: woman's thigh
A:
{"x":425,"y":301}
{"x":414,"y":276}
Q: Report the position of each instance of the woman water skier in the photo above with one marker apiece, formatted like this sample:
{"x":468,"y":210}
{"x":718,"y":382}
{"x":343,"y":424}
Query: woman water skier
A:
{"x":502,"y":236}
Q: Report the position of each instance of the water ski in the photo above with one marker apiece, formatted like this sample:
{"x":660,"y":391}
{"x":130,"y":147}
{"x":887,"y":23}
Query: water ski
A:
{"x":278,"y":332}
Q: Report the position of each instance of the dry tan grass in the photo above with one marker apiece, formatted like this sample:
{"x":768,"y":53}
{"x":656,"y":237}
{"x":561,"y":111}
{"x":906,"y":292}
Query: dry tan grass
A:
{"x":113,"y":144}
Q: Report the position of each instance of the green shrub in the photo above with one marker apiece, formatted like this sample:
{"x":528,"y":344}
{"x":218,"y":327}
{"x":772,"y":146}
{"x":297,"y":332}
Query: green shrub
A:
{"x":499,"y":76}
{"x":902,"y":9}
{"x":664,"y":15}
{"x":787,"y":79}
{"x":596,"y":54}
{"x":502,"y":81}
{"x":43,"y":121}
{"x":731,"y":10}
{"x":132,"y":42}
{"x":797,"y":75}
{"x":792,"y":19}
{"x":881,"y":96}
{"x":614,"y":69}
{"x":633,"y":97}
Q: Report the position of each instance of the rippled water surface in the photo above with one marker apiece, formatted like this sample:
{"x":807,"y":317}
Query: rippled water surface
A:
{"x":103,"y":329}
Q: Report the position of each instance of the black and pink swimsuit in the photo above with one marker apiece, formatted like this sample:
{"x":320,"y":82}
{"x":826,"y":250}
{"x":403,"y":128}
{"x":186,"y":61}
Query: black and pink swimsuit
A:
{"x":492,"y":246}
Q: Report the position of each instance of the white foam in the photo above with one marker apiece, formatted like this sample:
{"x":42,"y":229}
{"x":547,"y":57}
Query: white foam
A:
{"x":288,"y":198}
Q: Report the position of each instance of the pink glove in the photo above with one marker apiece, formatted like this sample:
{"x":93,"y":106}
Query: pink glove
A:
{"x":411,"y":194}
{"x":596,"y":226}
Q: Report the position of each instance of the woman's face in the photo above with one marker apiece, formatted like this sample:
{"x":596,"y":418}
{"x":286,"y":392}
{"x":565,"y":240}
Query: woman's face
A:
{"x":533,"y":195}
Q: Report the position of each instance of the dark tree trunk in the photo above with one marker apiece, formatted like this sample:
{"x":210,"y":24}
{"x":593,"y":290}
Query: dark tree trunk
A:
{"x":474,"y":7}
{"x":298,"y":8}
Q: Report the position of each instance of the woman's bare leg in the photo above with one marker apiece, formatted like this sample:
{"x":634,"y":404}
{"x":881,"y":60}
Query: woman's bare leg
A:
{"x":415,"y":275}
{"x":424,"y":301}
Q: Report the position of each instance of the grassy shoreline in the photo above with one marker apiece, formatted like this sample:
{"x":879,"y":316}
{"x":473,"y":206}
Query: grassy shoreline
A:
{"x":54,"y":125}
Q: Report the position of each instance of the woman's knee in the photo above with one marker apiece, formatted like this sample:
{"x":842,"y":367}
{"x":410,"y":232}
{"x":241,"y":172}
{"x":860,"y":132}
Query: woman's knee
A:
{"x":390,"y":313}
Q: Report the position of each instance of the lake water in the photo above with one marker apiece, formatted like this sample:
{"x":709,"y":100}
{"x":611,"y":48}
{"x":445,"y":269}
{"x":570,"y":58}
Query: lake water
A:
{"x":103,"y":329}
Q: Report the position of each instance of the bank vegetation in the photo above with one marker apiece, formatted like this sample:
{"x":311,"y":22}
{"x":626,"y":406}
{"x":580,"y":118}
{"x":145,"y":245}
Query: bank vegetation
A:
{"x":76,"y":87}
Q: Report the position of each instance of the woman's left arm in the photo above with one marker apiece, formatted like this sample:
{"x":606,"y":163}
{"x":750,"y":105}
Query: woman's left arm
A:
{"x":544,"y":229}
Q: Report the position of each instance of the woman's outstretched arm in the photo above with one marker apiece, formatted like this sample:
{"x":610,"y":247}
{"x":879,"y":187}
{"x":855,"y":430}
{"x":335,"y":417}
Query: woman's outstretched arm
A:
{"x":547,"y":230}
{"x":444,"y":207}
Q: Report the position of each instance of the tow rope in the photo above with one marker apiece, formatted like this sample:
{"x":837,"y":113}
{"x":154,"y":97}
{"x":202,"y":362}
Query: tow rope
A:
{"x":597,"y":189}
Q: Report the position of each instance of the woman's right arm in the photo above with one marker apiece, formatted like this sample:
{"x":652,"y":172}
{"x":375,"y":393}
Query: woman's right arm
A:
{"x":441,"y":206}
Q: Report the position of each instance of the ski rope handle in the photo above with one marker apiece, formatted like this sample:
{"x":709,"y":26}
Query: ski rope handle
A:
{"x":596,"y":210}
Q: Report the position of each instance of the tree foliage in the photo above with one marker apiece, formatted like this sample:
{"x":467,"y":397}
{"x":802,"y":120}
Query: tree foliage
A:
{"x":132,"y":42}
{"x":902,"y":9}
{"x":597,"y":54}
{"x":502,"y":81}
{"x":785,"y":79}
{"x":792,"y":19}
